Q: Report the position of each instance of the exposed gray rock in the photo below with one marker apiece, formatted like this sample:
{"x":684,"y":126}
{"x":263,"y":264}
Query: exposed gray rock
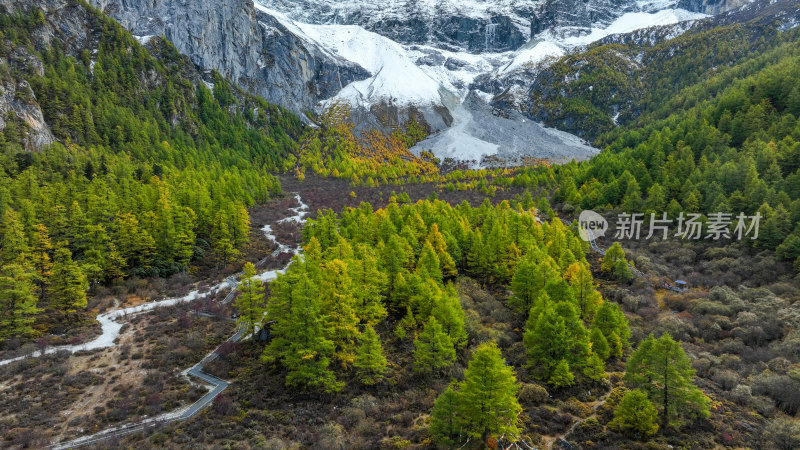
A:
{"x":243,"y":44}
{"x":17,"y":100}
{"x":495,"y":26}
{"x":576,"y":15}
{"x":18,"y":103}
{"x":491,"y":137}
{"x":712,"y":7}
{"x":386,"y":117}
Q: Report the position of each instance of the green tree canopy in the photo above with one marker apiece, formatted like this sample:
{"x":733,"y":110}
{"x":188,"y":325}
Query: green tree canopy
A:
{"x":635,"y":414}
{"x":661,"y":368}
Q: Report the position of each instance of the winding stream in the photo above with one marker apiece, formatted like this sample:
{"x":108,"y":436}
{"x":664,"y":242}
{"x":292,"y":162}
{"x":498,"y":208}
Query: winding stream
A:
{"x":112,"y":322}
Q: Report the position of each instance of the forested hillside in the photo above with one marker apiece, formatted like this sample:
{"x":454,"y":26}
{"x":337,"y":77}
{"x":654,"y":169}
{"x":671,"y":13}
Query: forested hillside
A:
{"x":729,"y":142}
{"x":151,"y":168}
{"x":154,"y":165}
{"x":625,"y":77}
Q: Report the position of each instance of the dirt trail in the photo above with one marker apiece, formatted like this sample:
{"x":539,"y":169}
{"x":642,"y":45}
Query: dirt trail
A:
{"x":550,"y":441}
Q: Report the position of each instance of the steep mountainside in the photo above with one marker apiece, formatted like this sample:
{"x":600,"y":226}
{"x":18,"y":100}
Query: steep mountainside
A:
{"x":150,"y":168}
{"x":623,"y":76}
{"x":245,"y":45}
{"x":397,"y":60}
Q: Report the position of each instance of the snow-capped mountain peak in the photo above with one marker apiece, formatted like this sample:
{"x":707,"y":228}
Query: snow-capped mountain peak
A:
{"x":425,"y":55}
{"x":396,"y":59}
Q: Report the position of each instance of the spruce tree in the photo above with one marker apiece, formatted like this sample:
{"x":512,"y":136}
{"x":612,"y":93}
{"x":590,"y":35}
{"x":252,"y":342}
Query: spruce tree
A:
{"x":17,"y":302}
{"x":428,"y":264}
{"x":341,"y":320}
{"x":68,"y":284}
{"x":478,"y":258}
{"x":437,"y":241}
{"x":635,"y":414}
{"x":622,"y":272}
{"x":529,"y":281}
{"x":250,"y":302}
{"x":396,"y":255}
{"x":41,"y":248}
{"x":488,"y":403}
{"x":406,"y":324}
{"x":370,"y":364}
{"x":184,"y":236}
{"x":615,"y":347}
{"x":300,"y":341}
{"x":240,"y":225}
{"x":614,"y":254}
{"x":552,"y":335}
{"x":609,"y":319}
{"x":523,"y":285}
{"x":599,"y":344}
{"x":14,"y":242}
{"x":445,"y":420}
{"x":661,"y":368}
{"x":223,"y":243}
{"x":562,"y":375}
{"x":136,"y":246}
{"x":371,"y":282}
{"x":433,"y":349}
{"x":594,"y":368}
{"x":448,"y":312}
{"x":581,"y":283}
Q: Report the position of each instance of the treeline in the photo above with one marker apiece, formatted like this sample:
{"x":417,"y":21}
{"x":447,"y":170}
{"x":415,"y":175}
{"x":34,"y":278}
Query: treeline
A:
{"x":152,"y":170}
{"x":736,"y":150}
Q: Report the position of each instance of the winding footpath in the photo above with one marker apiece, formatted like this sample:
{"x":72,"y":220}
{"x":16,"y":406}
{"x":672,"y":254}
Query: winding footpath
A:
{"x":112,"y":322}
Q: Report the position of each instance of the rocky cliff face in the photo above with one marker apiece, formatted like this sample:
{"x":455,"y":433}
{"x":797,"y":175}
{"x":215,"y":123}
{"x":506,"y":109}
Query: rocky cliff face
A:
{"x":245,"y":45}
{"x":478,"y":26}
{"x":482,"y":26}
{"x":18,"y":105}
{"x":574,"y":15}
{"x":712,"y":7}
{"x":260,"y":49}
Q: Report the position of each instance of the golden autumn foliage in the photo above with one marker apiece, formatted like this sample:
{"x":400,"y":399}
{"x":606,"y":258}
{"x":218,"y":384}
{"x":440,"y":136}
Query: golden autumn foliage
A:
{"x":335,"y":150}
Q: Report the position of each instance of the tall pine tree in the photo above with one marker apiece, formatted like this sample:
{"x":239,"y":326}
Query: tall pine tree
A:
{"x":661,"y":368}
{"x":17,"y":302}
{"x":488,"y":404}
{"x":370,"y":363}
{"x":68,"y":285}
{"x":250,"y":302}
{"x":433,"y":349}
{"x":300,"y":341}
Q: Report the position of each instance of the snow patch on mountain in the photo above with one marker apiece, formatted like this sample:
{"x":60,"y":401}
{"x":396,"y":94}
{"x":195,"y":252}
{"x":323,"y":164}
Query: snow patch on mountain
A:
{"x":373,"y":12}
{"x":395,"y":76}
{"x":527,"y":57}
{"x":633,"y":21}
{"x":455,"y":71}
{"x":553,"y":44}
{"x":416,"y":74}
